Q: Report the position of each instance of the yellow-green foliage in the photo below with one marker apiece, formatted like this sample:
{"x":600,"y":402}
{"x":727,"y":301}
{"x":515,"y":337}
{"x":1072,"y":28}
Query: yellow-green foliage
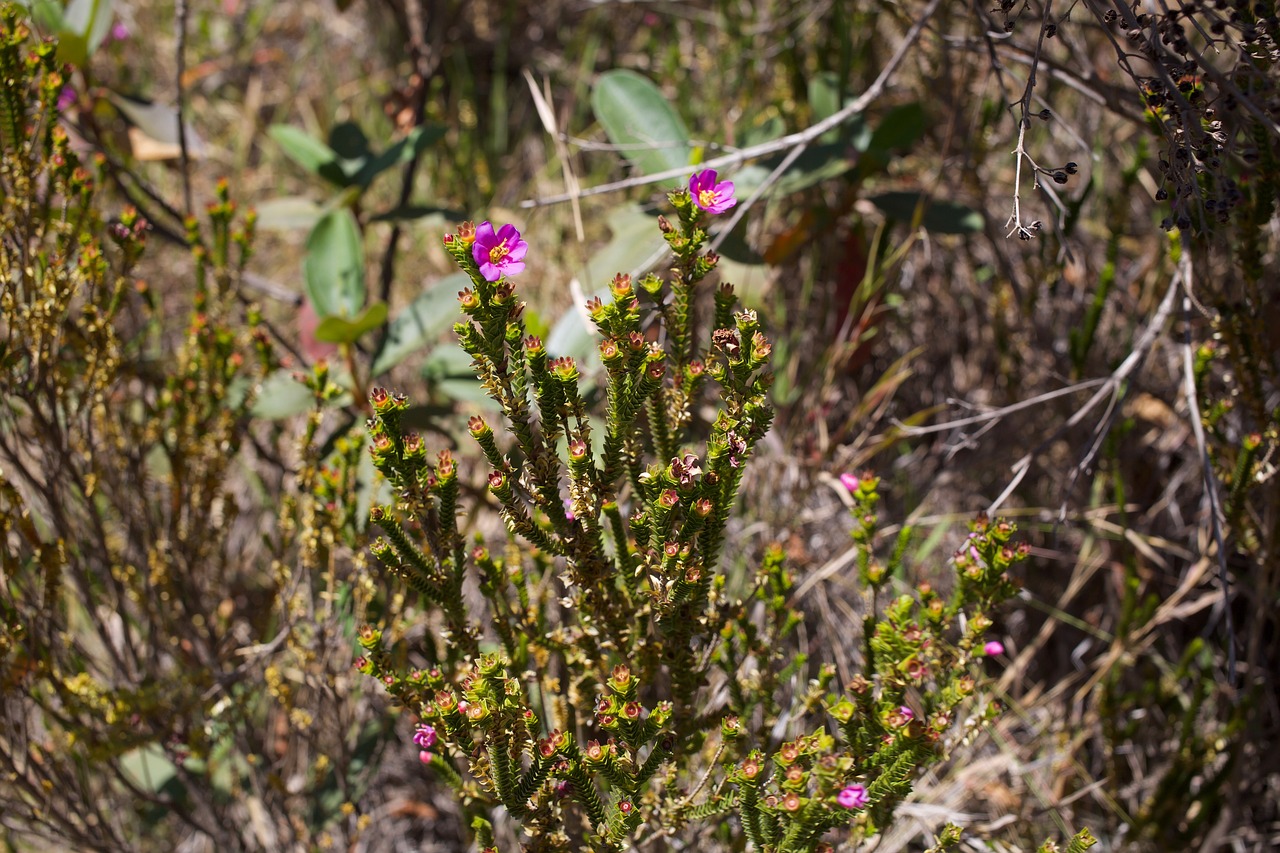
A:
{"x":161,"y":666}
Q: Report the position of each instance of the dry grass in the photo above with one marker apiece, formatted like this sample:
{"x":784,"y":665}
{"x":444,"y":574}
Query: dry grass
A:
{"x":958,"y":327}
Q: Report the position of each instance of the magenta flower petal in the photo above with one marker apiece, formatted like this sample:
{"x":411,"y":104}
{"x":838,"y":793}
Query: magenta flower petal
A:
{"x":993,"y":648}
{"x":498,"y":253}
{"x":710,"y":196}
{"x":424,"y":736}
{"x":850,"y":482}
{"x":852,"y":797}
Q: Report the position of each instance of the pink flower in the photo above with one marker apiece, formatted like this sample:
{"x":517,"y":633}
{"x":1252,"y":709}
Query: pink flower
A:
{"x":710,"y":196}
{"x":850,"y":482}
{"x":498,"y":254}
{"x":425,"y":757}
{"x":425,"y":736}
{"x":993,"y":648}
{"x":66,"y":97}
{"x":906,"y":713}
{"x":853,"y":797}
{"x":119,"y":32}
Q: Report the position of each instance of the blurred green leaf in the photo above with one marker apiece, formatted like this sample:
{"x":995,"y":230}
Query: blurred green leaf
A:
{"x":348,"y":141}
{"x":410,"y":212}
{"x":824,"y":100}
{"x":635,"y":239}
{"x":309,"y":153}
{"x":940,"y":217}
{"x":421,"y":322}
{"x":282,"y":396}
{"x":449,"y":375}
{"x":414,"y":143}
{"x":824,"y":95}
{"x":47,"y":14}
{"x":288,"y":213}
{"x":635,"y":114}
{"x":340,"y":330}
{"x":735,"y":247}
{"x":901,"y":128}
{"x":83,"y":26}
{"x":334,"y":266}
{"x":147,"y":767}
{"x":765,"y":131}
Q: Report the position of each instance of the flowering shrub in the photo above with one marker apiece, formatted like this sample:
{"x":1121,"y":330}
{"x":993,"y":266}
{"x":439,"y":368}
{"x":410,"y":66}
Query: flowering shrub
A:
{"x":616,"y":685}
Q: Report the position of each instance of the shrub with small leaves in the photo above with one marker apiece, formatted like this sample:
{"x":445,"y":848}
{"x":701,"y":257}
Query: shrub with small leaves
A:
{"x":164,"y":674}
{"x":616,"y":685}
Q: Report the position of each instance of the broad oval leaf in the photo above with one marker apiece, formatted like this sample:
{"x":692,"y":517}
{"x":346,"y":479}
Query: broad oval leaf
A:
{"x":281,"y":396}
{"x":340,"y":330}
{"x":147,"y":767}
{"x":824,"y":95}
{"x":421,"y":322}
{"x":305,"y":150}
{"x":900,"y":128}
{"x":47,"y":14}
{"x":635,"y":114}
{"x":285,"y":214}
{"x":450,"y":376}
{"x":84,"y":25}
{"x":334,"y":266}
{"x":413,"y":144}
{"x":348,"y":141}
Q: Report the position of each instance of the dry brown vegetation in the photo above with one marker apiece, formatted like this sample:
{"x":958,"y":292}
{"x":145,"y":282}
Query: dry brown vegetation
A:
{"x":1077,"y":381}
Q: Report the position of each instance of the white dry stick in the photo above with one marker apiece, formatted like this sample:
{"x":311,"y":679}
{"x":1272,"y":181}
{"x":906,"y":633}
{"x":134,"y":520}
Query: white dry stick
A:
{"x":1024,"y":232}
{"x":542,"y":102}
{"x":1206,"y":466}
{"x":1109,"y":389}
{"x":996,"y":414}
